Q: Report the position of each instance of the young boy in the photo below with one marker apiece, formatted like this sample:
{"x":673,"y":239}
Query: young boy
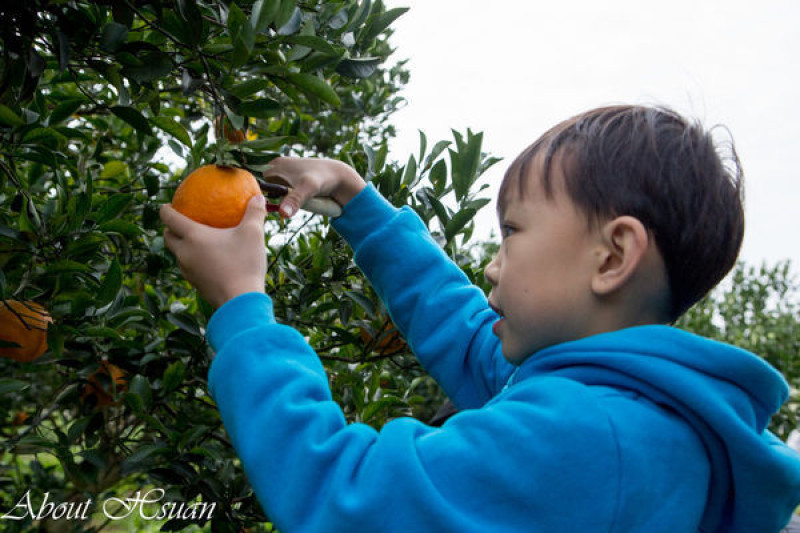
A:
{"x":580,"y":408}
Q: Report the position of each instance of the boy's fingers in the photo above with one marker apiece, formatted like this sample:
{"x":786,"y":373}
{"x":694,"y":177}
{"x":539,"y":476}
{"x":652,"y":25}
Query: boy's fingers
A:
{"x":297,"y":197}
{"x":177,"y":224}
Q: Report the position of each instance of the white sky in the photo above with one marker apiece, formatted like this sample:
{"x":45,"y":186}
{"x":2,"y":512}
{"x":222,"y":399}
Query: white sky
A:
{"x":513,"y":68}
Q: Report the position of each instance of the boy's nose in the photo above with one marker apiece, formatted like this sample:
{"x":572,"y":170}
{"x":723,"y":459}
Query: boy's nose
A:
{"x":490,"y":272}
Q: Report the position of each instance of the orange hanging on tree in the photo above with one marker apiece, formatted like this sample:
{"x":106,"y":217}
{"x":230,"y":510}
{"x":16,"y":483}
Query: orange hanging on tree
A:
{"x":23,"y":330}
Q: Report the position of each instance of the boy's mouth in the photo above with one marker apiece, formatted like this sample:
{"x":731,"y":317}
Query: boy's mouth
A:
{"x":496,"y":309}
{"x":498,"y":323}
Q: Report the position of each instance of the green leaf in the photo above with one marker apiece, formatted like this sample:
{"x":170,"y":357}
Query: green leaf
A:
{"x":360,"y":15}
{"x":363,"y":302}
{"x":112,"y":283}
{"x":154,"y":65}
{"x":66,"y":266}
{"x":410,"y":173}
{"x":185,"y":322}
{"x":113,"y":206}
{"x":315,"y":43}
{"x":65,"y":110}
{"x":173,"y":376}
{"x":113,"y":36}
{"x":9,"y":117}
{"x":378,"y":24}
{"x":263,"y":13}
{"x":242,"y":35}
{"x":114,"y":168}
{"x":285,"y":14}
{"x":261,"y":108}
{"x":465,"y":162}
{"x":457,"y":223}
{"x":140,"y":386}
{"x":173,"y":128}
{"x":8,"y":385}
{"x":249,"y":87}
{"x":315,"y":86}
{"x":142,"y":457}
{"x":362,"y":67}
{"x":438,"y":177}
{"x":133,"y":117}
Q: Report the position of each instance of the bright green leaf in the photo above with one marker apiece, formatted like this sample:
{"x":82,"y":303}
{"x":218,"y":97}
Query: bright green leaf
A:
{"x":173,"y":128}
{"x":9,"y":117}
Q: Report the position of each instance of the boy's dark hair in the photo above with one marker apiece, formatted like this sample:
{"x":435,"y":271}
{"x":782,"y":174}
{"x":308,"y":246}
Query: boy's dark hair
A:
{"x":652,"y":164}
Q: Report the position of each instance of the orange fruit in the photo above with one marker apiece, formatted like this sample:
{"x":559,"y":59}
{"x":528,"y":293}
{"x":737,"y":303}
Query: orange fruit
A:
{"x":223,"y":127}
{"x":104,"y":384}
{"x":387,"y":341}
{"x":24,"y":324}
{"x":215,"y":195}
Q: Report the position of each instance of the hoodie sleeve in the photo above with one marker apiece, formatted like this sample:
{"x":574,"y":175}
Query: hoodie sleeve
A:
{"x":445,"y":319}
{"x":491,"y":469}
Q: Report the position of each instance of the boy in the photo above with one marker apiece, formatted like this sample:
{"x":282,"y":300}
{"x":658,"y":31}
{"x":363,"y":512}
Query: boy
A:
{"x":580,"y":410}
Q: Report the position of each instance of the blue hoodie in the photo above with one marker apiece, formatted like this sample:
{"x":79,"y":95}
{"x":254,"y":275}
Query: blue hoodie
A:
{"x":647,"y":429}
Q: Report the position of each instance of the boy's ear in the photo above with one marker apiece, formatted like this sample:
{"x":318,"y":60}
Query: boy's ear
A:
{"x":624,"y":242}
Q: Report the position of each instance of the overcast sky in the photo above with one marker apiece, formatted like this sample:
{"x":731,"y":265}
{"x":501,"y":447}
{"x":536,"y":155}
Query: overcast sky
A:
{"x":513,"y":68}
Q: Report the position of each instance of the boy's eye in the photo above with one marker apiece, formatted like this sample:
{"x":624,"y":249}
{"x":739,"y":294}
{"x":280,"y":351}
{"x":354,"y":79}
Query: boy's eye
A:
{"x":506,"y":230}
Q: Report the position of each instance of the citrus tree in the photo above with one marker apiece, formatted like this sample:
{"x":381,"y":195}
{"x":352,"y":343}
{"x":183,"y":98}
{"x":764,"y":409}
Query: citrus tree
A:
{"x":104,"y":107}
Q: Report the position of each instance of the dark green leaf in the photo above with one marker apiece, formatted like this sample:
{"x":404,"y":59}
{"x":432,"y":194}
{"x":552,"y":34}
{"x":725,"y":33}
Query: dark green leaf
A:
{"x":242,"y":35}
{"x":142,"y":457}
{"x":378,"y":24}
{"x":457,"y":223}
{"x":154,"y":65}
{"x":140,"y":386}
{"x":173,"y":376}
{"x":185,"y":322}
{"x":113,"y":206}
{"x":65,"y":110}
{"x":113,"y":36}
{"x":249,"y":87}
{"x":133,"y":117}
{"x":286,"y":13}
{"x":263,"y":13}
{"x":362,"y":67}
{"x":261,"y":108}
{"x":66,"y":266}
{"x":315,"y":43}
{"x":111,"y":285}
{"x":315,"y":86}
{"x":8,"y":385}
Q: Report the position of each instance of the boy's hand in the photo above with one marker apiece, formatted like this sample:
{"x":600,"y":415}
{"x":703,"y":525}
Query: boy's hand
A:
{"x":220,"y":263}
{"x":313,"y":177}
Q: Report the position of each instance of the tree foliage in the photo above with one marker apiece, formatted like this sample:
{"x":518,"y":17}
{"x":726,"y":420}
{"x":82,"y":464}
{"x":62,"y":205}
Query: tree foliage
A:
{"x":104,"y":107}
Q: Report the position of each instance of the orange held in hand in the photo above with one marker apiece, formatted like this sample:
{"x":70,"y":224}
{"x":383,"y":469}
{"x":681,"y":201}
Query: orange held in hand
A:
{"x":23,"y":324}
{"x":215,"y":195}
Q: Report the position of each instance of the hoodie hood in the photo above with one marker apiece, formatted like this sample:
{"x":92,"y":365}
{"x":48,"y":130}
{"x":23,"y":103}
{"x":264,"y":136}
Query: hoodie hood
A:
{"x":726,"y":394}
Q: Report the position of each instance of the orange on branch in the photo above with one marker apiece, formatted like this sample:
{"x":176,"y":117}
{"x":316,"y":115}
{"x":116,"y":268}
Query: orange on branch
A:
{"x":104,"y":384}
{"x":215,"y":195}
{"x":224,"y":128}
{"x":23,"y":324}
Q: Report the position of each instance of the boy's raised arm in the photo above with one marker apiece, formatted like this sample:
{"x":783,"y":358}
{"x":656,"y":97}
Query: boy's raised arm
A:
{"x":445,"y":319}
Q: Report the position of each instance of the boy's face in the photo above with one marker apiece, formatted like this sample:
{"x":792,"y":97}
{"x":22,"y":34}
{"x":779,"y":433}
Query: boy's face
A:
{"x":541,"y":276}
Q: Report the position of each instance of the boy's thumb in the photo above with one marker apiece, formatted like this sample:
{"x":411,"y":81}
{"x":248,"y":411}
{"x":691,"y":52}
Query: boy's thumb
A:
{"x":296,"y":198}
{"x":256,"y":208}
